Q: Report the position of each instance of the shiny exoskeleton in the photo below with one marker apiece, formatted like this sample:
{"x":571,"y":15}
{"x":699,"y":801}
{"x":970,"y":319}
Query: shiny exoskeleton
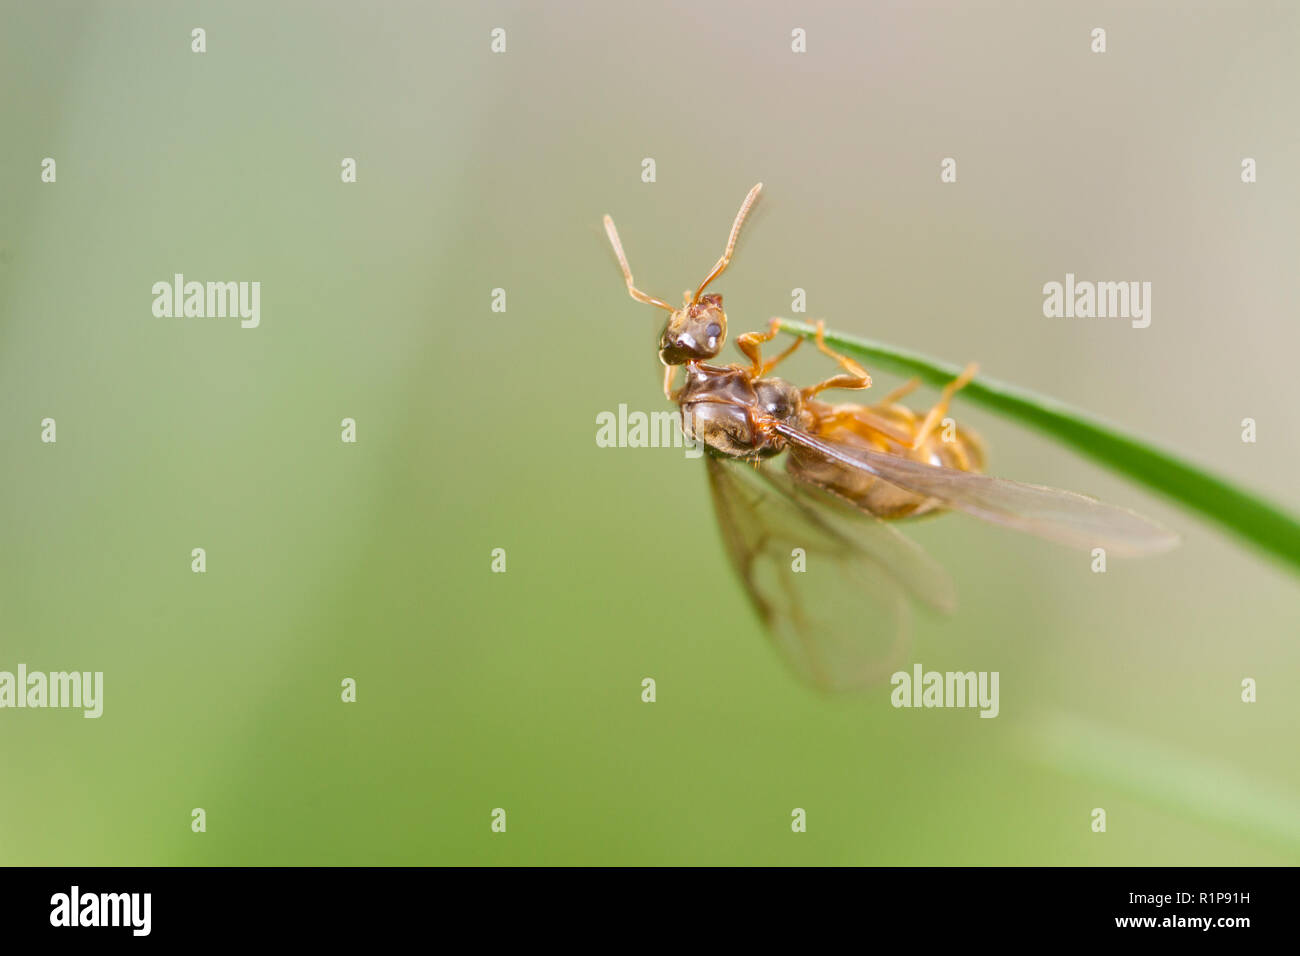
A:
{"x":736,"y":410}
{"x":735,"y":415}
{"x":842,"y":624}
{"x":732,"y":412}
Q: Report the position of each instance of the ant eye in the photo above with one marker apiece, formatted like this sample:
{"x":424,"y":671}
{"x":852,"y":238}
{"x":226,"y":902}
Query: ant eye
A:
{"x":714,"y":330}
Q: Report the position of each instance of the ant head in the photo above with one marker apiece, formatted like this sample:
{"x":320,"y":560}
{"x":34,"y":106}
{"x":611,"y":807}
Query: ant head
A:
{"x":695,"y":332}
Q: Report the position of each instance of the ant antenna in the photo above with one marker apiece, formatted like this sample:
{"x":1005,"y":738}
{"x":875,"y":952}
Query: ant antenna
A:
{"x":632,"y":290}
{"x":731,"y":242}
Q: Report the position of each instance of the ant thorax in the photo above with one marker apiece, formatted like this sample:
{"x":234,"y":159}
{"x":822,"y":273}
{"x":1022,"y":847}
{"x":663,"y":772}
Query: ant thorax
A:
{"x":732,"y":412}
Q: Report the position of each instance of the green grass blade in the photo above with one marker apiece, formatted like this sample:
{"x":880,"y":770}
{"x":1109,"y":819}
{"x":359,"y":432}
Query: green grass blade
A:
{"x":1245,"y":514}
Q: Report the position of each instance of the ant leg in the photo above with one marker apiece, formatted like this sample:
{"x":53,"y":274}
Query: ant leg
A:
{"x":750,"y":343}
{"x":669,"y":374}
{"x":857,"y":376}
{"x":935,"y":415}
{"x":907,"y":388}
{"x":774,"y":362}
{"x":847,"y":363}
{"x":837,"y":381}
{"x":865,"y":422}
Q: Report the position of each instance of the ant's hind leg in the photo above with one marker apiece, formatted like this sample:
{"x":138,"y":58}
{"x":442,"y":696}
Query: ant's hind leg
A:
{"x":907,"y":388}
{"x":857,"y":376}
{"x":935,"y":415}
{"x":865,"y":422}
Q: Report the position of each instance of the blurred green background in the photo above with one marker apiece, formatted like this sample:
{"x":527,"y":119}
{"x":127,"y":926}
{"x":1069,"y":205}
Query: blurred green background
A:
{"x":476,"y":429}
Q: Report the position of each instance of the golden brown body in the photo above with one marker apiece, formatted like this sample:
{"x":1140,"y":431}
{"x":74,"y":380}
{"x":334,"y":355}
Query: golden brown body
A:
{"x":792,"y":476}
{"x":738,"y":410}
{"x":734,"y":410}
{"x":858,"y":426}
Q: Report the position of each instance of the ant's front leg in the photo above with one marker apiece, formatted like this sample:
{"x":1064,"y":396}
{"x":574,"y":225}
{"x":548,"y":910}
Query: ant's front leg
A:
{"x":670,"y":373}
{"x":751,"y":345}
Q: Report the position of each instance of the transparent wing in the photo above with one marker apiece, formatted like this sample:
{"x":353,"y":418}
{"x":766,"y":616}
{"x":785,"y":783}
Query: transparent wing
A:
{"x":842,"y":622}
{"x":1061,"y":516}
